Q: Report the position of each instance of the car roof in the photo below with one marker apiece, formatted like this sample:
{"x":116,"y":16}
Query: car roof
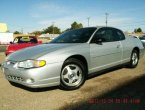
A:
{"x":98,"y":27}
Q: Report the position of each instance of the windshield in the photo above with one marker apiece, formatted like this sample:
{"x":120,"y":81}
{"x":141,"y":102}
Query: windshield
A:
{"x":24,"y":39}
{"x":75,"y":36}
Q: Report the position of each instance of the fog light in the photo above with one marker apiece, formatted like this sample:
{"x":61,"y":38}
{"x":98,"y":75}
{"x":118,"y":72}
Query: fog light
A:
{"x":29,"y":81}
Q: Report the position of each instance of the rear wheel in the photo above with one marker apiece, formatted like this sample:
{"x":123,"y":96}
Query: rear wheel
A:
{"x":72,"y":74}
{"x":134,"y":59}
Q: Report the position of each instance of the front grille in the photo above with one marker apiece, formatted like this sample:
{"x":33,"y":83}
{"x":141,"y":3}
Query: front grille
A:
{"x":15,"y":78}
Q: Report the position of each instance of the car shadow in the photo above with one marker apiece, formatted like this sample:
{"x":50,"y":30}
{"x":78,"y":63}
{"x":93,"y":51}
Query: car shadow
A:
{"x":57,"y":87}
{"x":105,"y":71}
{"x":130,"y":96}
{"x":34,"y":89}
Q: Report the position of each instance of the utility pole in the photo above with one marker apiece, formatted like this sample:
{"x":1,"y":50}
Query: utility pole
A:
{"x":22,"y":30}
{"x":53,"y":28}
{"x":106,"y":14}
{"x":88,"y":21}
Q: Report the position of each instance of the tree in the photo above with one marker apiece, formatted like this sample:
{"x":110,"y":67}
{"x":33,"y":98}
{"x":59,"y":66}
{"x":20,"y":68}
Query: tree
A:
{"x":137,"y":30}
{"x":51,"y":30}
{"x":76,"y":25}
{"x":17,"y":32}
{"x":37,"y":32}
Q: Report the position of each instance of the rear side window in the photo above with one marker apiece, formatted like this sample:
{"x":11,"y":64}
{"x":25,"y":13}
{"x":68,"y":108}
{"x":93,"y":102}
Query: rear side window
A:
{"x":118,"y":35}
{"x":105,"y":34}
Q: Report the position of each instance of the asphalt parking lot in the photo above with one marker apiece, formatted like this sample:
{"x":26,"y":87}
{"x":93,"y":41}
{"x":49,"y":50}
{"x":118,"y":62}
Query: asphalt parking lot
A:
{"x":116,"y":84}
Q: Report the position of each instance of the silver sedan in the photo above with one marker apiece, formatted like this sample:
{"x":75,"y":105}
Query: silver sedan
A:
{"x":70,"y":58}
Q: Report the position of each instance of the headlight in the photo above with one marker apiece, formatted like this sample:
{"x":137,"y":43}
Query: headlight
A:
{"x":31,"y":64}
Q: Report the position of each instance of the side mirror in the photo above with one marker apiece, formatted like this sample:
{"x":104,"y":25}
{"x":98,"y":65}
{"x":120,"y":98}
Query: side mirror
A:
{"x":99,"y":41}
{"x":11,"y":42}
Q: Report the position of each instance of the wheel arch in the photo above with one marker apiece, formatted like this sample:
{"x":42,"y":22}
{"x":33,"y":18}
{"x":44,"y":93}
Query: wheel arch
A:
{"x":137,"y":49}
{"x":81,"y":58}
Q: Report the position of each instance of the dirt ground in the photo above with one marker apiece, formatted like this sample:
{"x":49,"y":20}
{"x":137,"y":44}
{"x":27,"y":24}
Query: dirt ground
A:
{"x":118,"y":83}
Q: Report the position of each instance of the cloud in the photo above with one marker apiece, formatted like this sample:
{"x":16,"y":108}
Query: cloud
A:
{"x":62,"y":23}
{"x":120,"y":21}
{"x":45,"y":13}
{"x":36,"y":15}
{"x":65,"y":22}
{"x":48,"y":10}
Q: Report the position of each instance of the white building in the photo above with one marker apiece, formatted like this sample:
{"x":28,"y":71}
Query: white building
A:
{"x":49,"y":36}
{"x":5,"y":36}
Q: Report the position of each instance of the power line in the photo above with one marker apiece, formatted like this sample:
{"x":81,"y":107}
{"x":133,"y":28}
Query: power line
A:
{"x":131,"y":25}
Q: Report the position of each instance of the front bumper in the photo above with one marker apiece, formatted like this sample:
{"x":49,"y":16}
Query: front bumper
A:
{"x":46,"y":76}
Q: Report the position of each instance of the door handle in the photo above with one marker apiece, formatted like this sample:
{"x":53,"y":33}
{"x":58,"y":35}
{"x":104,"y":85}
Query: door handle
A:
{"x":118,"y":46}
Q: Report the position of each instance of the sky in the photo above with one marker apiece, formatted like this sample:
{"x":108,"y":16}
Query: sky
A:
{"x":33,"y":15}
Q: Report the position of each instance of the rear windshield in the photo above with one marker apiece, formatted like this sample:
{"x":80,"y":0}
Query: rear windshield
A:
{"x":24,"y":39}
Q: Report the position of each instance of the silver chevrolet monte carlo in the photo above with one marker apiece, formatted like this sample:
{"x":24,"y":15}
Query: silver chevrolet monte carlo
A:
{"x":68,"y":59}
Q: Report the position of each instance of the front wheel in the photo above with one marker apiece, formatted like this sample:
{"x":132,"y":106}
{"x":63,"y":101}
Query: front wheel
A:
{"x":134,"y":59}
{"x":12,"y":83}
{"x":72,"y":74}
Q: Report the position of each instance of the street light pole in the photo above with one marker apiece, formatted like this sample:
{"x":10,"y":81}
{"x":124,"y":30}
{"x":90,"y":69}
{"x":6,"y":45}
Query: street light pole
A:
{"x":22,"y":30}
{"x":106,"y":14}
{"x":88,"y":21}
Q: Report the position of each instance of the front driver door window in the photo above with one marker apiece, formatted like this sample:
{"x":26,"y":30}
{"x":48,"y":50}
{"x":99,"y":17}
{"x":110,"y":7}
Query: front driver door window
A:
{"x":105,"y":54}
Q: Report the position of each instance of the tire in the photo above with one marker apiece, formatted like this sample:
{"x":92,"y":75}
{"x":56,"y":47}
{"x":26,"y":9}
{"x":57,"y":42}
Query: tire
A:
{"x":12,"y":83}
{"x":73,"y":74}
{"x":134,"y":59}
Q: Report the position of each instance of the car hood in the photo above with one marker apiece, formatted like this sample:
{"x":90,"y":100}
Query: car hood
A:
{"x":36,"y":51}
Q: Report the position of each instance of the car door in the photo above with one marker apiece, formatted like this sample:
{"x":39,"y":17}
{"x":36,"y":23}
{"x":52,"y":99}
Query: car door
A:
{"x":105,"y":49}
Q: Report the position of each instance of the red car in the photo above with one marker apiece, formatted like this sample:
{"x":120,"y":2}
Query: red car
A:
{"x":21,"y":42}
